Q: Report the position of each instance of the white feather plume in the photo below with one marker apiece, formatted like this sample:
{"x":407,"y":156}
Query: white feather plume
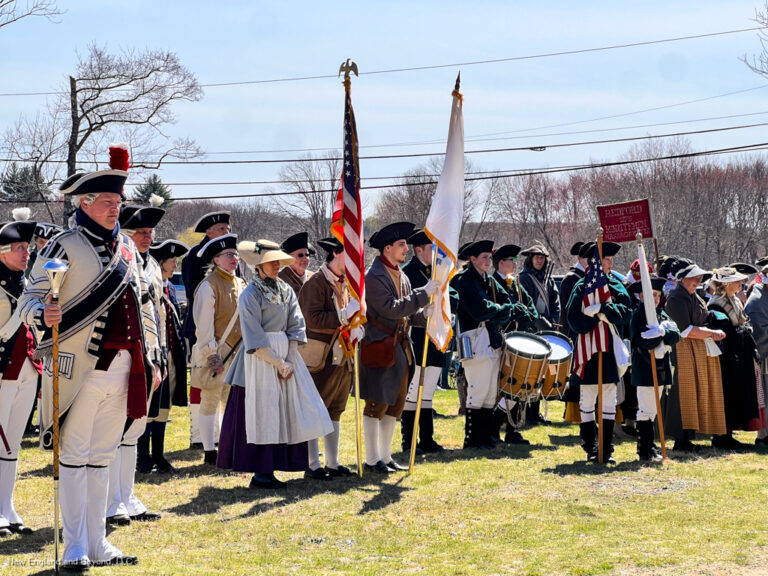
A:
{"x":156,"y":201}
{"x":21,"y":214}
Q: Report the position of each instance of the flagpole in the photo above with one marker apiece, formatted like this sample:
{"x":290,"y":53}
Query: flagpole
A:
{"x":600,"y":369}
{"x":423,"y":370}
{"x":650,"y":313}
{"x":358,"y":415}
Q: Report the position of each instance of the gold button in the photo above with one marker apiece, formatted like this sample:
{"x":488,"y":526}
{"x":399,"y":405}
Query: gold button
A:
{"x":128,"y":328}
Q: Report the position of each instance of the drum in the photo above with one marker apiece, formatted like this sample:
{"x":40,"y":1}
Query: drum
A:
{"x":559,"y":369}
{"x":523,"y":365}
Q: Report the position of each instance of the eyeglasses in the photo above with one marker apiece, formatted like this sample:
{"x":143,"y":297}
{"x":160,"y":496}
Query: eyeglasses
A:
{"x":303,"y":255}
{"x":230,"y":254}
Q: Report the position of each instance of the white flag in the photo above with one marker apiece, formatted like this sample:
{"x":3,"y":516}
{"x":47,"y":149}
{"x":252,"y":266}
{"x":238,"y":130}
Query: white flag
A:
{"x":444,"y":224}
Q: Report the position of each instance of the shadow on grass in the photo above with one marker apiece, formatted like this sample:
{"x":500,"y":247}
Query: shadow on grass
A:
{"x":583,"y":468}
{"x":387,"y":494}
{"x":27,"y":544}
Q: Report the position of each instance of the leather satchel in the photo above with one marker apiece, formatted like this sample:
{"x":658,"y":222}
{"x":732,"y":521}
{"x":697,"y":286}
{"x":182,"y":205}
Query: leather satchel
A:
{"x":380,"y":353}
{"x":314,"y":353}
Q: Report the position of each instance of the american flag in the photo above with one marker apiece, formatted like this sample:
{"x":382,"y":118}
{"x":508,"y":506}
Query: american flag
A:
{"x":347,"y":221}
{"x":595,"y":290}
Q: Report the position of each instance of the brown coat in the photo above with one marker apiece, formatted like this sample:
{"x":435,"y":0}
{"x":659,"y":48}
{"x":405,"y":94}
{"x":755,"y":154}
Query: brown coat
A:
{"x":334,"y":380}
{"x":386,"y":308}
{"x":292,"y":279}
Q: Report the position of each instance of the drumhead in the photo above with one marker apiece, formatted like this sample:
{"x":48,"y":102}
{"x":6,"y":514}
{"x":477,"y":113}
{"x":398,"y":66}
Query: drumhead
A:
{"x":561,"y":346}
{"x":528,"y":345}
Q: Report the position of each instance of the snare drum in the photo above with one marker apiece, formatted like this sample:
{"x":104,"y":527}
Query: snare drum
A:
{"x":559,"y":369}
{"x":523,"y":366}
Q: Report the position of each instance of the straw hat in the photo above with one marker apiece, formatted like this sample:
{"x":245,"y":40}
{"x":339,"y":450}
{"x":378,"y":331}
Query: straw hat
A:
{"x":263,"y":251}
{"x":726,"y":275}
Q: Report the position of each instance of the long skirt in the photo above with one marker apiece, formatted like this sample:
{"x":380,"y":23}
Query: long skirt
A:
{"x":699,"y":388}
{"x":236,"y":454}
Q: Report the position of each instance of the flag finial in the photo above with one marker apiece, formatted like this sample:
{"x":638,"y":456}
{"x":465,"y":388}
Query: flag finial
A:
{"x":639,"y":236}
{"x":458,"y":82}
{"x":347,"y":67}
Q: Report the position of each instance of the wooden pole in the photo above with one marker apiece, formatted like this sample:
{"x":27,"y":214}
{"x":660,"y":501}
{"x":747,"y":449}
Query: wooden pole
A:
{"x":358,"y":414}
{"x":600,"y":370}
{"x":422,"y":371}
{"x":55,"y":300}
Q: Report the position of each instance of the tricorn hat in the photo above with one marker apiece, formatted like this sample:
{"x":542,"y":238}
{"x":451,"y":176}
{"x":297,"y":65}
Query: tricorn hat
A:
{"x":506,"y":251}
{"x":102,"y":181}
{"x":475,"y":249}
{"x":536,"y":249}
{"x":744,"y":268}
{"x":213,"y":247}
{"x":330,"y":245}
{"x":46,"y":230}
{"x":297,"y":242}
{"x":656,"y":284}
{"x":168,"y":249}
{"x":419,"y":238}
{"x":390,"y":234}
{"x":210,"y":219}
{"x":576,"y":247}
{"x":133,"y":217}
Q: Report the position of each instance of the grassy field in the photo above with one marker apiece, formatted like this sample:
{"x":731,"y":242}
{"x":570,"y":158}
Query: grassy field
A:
{"x":515,"y":510}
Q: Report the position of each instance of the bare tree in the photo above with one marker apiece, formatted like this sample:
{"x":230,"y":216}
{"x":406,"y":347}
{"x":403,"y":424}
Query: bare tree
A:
{"x":124,"y":97}
{"x":12,"y":10}
{"x":309,"y":194}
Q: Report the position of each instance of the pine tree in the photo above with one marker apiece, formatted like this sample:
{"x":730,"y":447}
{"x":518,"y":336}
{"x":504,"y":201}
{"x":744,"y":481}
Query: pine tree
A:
{"x":20,"y":185}
{"x":153,"y":185}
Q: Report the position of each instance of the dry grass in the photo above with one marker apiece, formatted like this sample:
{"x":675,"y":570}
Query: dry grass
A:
{"x":515,"y":510}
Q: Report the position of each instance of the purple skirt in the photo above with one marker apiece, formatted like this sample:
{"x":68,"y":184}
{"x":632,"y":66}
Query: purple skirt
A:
{"x":237,"y":455}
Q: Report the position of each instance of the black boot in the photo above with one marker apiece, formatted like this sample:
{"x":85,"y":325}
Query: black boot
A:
{"x":607,"y":433}
{"x":406,"y":425}
{"x":426,"y":431}
{"x":588,"y":433}
{"x":498,"y":418}
{"x":158,"y":448}
{"x":210,"y":457}
{"x":486,"y":415}
{"x":473,"y":432}
{"x":645,"y":440}
{"x":144,"y":461}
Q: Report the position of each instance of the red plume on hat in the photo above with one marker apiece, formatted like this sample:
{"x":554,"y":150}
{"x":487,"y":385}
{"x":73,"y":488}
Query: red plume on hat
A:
{"x":118,"y":157}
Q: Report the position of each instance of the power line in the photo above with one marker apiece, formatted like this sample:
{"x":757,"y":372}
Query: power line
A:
{"x":452,"y":65}
{"x":535,"y":148}
{"x":498,"y":174}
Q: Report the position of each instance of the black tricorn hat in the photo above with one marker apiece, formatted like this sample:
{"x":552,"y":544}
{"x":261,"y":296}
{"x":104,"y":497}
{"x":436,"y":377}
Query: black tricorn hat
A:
{"x":11,"y":232}
{"x":475,"y":249}
{"x":506,"y":251}
{"x":762,"y":262}
{"x":419,"y":238}
{"x":213,"y":247}
{"x":297,"y":242}
{"x":609,"y":249}
{"x":168,"y":249}
{"x":133,"y":217}
{"x":46,"y":230}
{"x":390,"y":234}
{"x":656,"y":284}
{"x":109,"y":181}
{"x":744,"y":268}
{"x":330,"y":245}
{"x":576,"y":247}
{"x":210,"y":219}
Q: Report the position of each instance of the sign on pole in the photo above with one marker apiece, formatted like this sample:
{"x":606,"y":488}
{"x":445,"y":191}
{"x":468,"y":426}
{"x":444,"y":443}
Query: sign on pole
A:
{"x":622,"y":221}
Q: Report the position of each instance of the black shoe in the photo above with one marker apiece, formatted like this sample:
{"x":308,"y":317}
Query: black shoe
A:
{"x":267,"y":481}
{"x":20,"y":529}
{"x":119,"y":520}
{"x":146,"y":516}
{"x":317,"y":474}
{"x":761,"y":441}
{"x":210,"y":457}
{"x":122,"y":560}
{"x":32,"y":431}
{"x":609,"y":459}
{"x":722,"y":442}
{"x":395,"y":466}
{"x":433,"y":448}
{"x":162,"y":466}
{"x":82,"y":566}
{"x":144,"y":464}
{"x":5,"y":532}
{"x":340,"y":472}
{"x":379,"y":468}
{"x":195,"y":445}
{"x":514,"y":437}
{"x":630,"y":430}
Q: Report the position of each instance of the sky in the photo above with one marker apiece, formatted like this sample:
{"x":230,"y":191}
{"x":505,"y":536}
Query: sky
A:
{"x":533,"y":102}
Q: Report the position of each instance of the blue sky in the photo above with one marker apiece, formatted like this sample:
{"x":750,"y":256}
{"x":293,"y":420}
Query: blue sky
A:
{"x":233,"y":41}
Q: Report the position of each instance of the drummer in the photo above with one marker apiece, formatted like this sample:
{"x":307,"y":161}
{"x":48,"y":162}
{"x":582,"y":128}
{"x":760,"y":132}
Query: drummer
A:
{"x":583,"y":320}
{"x":645,"y":340}
{"x":523,"y":319}
{"x":483,"y":312}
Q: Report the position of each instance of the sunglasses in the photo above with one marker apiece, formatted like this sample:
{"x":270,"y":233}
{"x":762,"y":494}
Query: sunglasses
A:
{"x":302,"y":255}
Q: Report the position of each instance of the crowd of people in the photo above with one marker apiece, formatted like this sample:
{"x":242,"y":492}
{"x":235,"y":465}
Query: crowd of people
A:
{"x":272,"y":358}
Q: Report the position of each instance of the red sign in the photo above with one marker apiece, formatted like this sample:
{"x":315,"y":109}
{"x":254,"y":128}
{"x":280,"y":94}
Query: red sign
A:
{"x":621,"y":222}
